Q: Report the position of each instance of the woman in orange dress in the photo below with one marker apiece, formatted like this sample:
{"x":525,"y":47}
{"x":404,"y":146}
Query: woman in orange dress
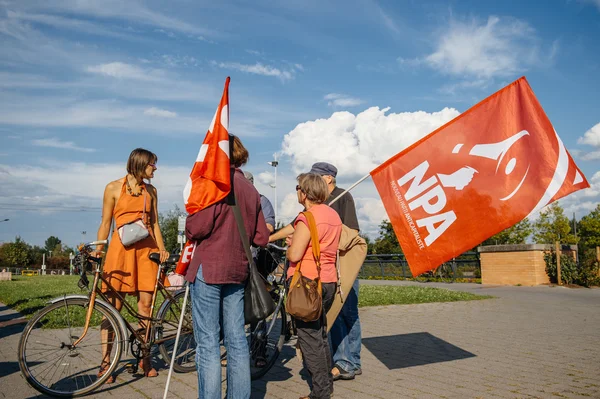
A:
{"x":128,"y":269}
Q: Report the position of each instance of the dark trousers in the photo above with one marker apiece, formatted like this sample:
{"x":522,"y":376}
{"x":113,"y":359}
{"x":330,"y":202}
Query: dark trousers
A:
{"x":312,"y":338}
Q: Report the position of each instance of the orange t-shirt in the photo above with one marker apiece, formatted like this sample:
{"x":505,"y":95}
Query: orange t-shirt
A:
{"x":329,"y":228}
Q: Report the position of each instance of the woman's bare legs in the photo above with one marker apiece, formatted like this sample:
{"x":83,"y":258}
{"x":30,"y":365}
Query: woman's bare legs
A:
{"x":144,"y":305}
{"x":107,"y":335}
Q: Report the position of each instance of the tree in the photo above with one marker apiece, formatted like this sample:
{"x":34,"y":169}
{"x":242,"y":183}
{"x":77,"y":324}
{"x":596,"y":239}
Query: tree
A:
{"x":387,"y":242}
{"x":368,"y":241}
{"x":589,"y":229}
{"x":516,"y":234}
{"x":36,"y":255}
{"x":552,"y":226}
{"x":15,"y":254}
{"x":52,"y":243}
{"x":169,"y":228}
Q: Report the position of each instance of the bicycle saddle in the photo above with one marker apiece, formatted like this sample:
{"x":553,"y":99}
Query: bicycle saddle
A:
{"x":155,"y":257}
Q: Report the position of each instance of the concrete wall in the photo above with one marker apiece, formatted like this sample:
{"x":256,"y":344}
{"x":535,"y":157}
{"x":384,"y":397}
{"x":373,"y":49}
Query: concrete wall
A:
{"x":516,"y":264}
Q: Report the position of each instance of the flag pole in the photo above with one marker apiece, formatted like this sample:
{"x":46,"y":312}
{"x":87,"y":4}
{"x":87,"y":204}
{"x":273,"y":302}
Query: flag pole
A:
{"x":349,"y":188}
{"x":183,"y":308}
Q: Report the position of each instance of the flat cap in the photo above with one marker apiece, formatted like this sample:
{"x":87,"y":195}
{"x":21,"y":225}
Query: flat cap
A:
{"x":324,"y":169}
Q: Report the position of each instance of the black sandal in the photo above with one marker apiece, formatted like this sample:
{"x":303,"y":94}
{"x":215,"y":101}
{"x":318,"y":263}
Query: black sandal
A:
{"x":342,"y":374}
{"x":103,"y":370}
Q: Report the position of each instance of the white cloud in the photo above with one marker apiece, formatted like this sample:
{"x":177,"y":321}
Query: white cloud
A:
{"x":453,"y":88}
{"x":591,"y":156}
{"x":161,"y":113}
{"x":132,"y":10}
{"x":591,"y":137}
{"x":593,"y":2}
{"x":74,"y":24}
{"x":57,"y":111}
{"x":266,"y":178}
{"x":583,"y":201}
{"x":289,"y":208}
{"x":43,"y":187}
{"x":388,"y":22}
{"x":258,"y":69}
{"x":342,"y":100}
{"x":498,"y":47}
{"x":57,"y":143}
{"x":177,"y":60}
{"x":357,"y":144}
{"x":370,"y":213}
{"x":121,"y":70}
{"x":409,"y":62}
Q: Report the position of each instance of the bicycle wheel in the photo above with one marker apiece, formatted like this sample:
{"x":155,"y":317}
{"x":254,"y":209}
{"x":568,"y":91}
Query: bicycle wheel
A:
{"x":446,"y":273}
{"x":47,"y":358}
{"x":185,"y":359}
{"x":265,"y":341}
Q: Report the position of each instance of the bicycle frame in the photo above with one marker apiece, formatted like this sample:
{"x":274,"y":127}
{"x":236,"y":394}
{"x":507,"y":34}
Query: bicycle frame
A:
{"x":150,"y":321}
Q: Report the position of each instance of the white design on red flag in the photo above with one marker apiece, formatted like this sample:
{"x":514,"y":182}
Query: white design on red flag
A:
{"x":475,"y":176}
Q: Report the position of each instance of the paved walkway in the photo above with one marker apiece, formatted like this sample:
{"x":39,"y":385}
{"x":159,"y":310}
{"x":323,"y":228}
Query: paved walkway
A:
{"x":527,"y":342}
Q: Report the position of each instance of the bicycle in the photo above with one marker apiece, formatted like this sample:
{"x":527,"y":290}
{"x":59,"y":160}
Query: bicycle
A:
{"x":267,"y":337}
{"x":61,"y":347}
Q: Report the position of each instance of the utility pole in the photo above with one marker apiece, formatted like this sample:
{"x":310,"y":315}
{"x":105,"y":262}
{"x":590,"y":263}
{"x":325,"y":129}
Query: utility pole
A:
{"x":274,"y":185}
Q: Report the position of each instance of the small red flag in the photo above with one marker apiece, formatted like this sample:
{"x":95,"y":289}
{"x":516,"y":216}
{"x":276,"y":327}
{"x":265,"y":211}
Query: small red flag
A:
{"x":477,"y":175}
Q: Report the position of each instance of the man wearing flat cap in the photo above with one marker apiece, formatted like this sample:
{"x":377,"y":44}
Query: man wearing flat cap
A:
{"x":345,"y":333}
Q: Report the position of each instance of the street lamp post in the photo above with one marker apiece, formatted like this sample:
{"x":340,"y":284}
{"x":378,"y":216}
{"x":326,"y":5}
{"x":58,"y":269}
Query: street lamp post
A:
{"x":274,"y":185}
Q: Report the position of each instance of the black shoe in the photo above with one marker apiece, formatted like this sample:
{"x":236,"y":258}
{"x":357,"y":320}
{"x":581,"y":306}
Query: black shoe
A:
{"x":342,"y":374}
{"x":358,"y":372}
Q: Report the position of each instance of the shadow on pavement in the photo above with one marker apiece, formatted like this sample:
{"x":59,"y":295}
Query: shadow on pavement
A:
{"x":416,"y":349}
{"x":12,"y":329}
{"x":8,"y":368}
{"x":279,"y":372}
{"x":9,"y":317}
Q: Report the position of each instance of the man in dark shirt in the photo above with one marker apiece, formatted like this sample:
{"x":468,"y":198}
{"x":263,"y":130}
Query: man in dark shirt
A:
{"x":345,"y":334}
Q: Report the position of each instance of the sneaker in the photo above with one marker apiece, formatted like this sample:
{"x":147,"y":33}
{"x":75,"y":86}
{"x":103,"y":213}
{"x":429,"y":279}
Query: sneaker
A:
{"x":358,"y":372}
{"x":341,"y":374}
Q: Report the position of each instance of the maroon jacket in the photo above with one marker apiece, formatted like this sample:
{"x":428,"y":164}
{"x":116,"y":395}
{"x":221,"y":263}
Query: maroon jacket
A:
{"x":219,"y":249}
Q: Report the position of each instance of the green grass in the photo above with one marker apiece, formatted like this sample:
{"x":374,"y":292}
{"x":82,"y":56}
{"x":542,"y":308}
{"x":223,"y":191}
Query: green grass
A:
{"x":30,"y":294}
{"x":376,"y":295}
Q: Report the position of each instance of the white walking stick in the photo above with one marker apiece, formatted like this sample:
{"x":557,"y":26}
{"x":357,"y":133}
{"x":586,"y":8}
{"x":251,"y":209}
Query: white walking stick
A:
{"x":185,"y":297}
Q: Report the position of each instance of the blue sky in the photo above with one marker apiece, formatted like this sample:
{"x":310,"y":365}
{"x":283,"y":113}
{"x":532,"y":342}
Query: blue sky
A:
{"x":82,"y":83}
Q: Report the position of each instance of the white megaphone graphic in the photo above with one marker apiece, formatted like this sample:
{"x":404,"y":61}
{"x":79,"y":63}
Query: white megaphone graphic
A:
{"x":496,"y":152}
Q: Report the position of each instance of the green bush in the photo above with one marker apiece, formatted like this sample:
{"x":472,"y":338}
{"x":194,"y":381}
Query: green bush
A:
{"x":586,"y":273}
{"x":569,"y":272}
{"x":589,"y":269}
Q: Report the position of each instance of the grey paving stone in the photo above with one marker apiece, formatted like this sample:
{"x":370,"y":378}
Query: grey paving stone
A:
{"x":527,"y":342}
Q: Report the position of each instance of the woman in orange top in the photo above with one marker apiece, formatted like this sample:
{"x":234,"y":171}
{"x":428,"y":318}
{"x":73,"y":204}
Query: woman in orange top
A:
{"x":128,"y":269}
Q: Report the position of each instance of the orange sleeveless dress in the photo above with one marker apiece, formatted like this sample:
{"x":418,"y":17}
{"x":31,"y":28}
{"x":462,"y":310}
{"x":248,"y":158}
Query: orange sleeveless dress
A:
{"x":128,"y":269}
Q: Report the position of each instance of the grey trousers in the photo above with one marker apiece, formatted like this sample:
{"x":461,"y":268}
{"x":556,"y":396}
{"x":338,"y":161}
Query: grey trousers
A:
{"x":312,"y":338}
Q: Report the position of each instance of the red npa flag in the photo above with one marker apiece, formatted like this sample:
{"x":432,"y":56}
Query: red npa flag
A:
{"x":477,"y":175}
{"x":209,"y":181}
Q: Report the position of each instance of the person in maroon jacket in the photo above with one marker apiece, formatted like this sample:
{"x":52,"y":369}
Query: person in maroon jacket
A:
{"x":217,"y":273}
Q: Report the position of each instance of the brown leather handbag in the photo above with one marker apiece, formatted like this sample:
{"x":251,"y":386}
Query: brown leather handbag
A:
{"x":304,"y":299}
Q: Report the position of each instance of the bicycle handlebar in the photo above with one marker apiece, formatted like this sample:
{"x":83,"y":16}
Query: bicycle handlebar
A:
{"x":99,"y":242}
{"x":271,"y":245}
